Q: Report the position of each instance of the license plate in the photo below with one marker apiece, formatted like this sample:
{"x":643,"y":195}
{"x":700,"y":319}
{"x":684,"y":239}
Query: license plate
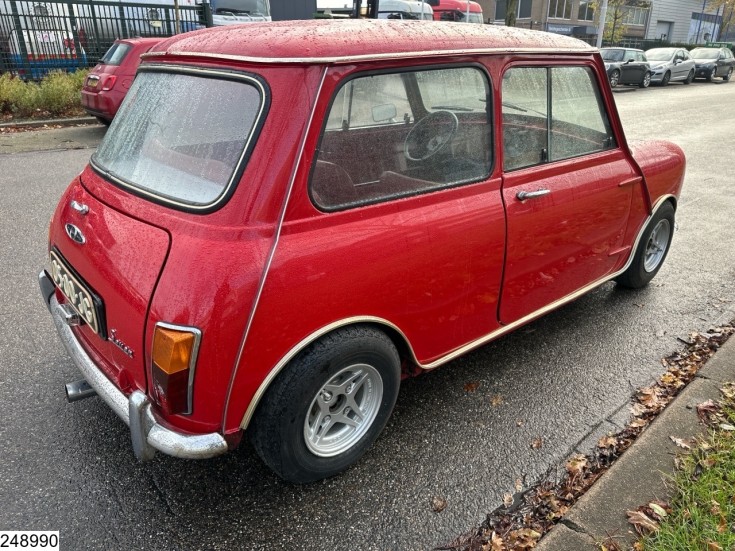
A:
{"x":86,"y":303}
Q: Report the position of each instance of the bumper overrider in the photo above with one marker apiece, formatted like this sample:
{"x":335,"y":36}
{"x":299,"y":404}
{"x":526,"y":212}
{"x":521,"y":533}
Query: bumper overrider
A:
{"x":146,"y":433}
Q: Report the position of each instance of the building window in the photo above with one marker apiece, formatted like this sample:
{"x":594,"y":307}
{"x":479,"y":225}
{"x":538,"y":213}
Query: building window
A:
{"x":524,"y":9}
{"x":586,"y":10}
{"x":634,"y":16}
{"x":560,"y":9}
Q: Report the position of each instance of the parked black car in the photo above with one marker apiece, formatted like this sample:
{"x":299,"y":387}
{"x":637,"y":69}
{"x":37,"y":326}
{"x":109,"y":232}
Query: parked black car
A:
{"x":626,"y":66}
{"x":713,"y":62}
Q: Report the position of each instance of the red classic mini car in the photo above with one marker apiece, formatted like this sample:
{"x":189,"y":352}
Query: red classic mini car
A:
{"x":286,"y":219}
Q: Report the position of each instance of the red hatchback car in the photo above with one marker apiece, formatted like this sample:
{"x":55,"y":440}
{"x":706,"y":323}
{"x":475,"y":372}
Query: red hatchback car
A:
{"x":106,"y":85}
{"x":290,"y":218}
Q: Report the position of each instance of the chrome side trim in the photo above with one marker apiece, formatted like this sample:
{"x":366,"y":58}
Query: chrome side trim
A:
{"x":368,"y":57}
{"x":192,"y":361}
{"x":146,"y":433}
{"x":459,"y":351}
{"x":272,"y":252}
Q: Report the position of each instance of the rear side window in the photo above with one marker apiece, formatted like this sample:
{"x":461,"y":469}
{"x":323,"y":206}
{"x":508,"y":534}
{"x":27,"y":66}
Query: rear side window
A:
{"x":550,"y":114}
{"x":398,"y":134}
{"x":181,"y":137}
{"x":116,"y":54}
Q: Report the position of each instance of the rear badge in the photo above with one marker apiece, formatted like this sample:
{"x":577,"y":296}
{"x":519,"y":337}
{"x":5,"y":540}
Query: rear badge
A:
{"x":121,"y":345}
{"x":75,"y":234}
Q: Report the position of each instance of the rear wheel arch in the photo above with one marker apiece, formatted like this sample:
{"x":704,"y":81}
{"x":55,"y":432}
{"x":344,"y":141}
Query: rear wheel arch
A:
{"x":400,"y":341}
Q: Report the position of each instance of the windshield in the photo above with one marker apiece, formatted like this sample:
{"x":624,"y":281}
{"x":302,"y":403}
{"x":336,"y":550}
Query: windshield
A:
{"x":660,"y":54}
{"x":705,"y":53}
{"x":612,"y":55}
{"x":181,"y":137}
{"x":250,"y":7}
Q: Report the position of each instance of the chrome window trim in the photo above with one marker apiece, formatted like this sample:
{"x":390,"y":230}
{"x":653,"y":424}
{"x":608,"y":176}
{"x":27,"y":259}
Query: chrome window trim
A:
{"x":192,"y":361}
{"x":369,"y":57}
{"x":456,"y":353}
{"x":227,"y":189}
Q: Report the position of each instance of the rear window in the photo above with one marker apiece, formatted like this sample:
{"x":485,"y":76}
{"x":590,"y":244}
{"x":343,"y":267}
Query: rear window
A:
{"x":116,"y":54}
{"x":183,"y":137}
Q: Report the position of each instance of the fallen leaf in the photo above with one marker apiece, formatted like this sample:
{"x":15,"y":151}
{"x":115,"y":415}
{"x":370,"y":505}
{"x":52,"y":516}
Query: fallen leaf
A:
{"x":496,"y":400}
{"x":726,"y":426}
{"x":713,"y":546}
{"x":722,"y":525}
{"x":519,"y":485}
{"x":660,"y":511}
{"x":728,"y":390}
{"x":520,"y":422}
{"x":642,"y":523}
{"x":638,"y":546}
{"x":577,"y":464}
{"x":715,"y":507}
{"x":680,"y":442}
{"x":496,"y":543}
{"x":507,"y":500}
{"x":438,"y":504}
{"x":536,"y":443}
{"x":525,"y":538}
{"x":472,"y":386}
{"x":607,"y":442}
{"x":707,"y":408}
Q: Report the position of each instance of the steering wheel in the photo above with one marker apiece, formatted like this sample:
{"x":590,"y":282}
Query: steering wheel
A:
{"x":430,"y":135}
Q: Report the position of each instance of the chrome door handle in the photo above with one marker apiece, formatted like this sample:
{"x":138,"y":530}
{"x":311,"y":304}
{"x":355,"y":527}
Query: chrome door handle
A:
{"x":523,"y":195}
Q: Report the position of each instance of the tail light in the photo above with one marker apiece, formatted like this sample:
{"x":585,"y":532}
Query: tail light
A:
{"x":173,"y":360}
{"x":109,"y":83}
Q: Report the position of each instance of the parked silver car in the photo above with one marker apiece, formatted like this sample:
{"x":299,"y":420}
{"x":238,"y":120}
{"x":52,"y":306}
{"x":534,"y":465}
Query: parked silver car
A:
{"x":670,"y":65}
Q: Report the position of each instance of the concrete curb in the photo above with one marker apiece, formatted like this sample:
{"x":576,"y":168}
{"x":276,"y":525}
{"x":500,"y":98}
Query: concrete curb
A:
{"x":639,"y":476}
{"x":49,"y":122}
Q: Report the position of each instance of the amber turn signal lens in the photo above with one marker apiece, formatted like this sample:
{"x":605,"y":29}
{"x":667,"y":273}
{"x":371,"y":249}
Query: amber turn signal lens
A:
{"x":172,"y":361}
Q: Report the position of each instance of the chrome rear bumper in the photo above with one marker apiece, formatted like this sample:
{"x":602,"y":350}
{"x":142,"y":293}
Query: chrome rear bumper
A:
{"x":146,"y":433}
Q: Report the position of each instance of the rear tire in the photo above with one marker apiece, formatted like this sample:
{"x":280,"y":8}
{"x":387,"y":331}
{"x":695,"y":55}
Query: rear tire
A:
{"x":728,"y":76}
{"x":652,"y":249}
{"x":104,"y":121}
{"x":328,"y":406}
{"x":646,"y":82}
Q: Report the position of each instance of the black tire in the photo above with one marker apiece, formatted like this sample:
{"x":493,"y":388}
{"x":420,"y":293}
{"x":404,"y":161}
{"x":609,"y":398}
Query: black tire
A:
{"x":614,"y":78}
{"x":646,"y":82}
{"x":728,"y":76}
{"x":690,"y":77}
{"x":104,"y":121}
{"x":279,"y":429}
{"x":712,"y":75}
{"x":638,"y":274}
{"x":666,"y":79}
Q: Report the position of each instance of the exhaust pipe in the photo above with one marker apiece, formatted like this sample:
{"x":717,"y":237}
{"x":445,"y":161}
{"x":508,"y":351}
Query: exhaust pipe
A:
{"x":79,"y":391}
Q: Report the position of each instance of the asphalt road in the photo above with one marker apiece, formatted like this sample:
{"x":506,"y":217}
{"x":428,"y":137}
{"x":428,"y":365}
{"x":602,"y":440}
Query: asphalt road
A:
{"x":565,"y":379}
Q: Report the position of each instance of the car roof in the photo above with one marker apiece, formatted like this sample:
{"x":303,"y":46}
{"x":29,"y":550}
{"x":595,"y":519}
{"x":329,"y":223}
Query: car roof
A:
{"x":345,"y":41}
{"x":140,"y":41}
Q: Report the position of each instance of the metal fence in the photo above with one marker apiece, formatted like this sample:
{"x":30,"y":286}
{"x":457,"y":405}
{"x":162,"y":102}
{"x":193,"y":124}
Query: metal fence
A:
{"x":37,"y":36}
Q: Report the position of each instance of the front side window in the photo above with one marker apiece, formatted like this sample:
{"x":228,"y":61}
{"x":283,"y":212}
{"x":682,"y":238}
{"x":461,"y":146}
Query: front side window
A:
{"x":397,"y":134}
{"x":181,"y":137}
{"x":550,"y":114}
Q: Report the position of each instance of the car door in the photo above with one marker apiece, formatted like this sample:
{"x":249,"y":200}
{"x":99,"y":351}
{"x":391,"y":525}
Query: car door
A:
{"x":631,"y":68}
{"x":566,"y":186}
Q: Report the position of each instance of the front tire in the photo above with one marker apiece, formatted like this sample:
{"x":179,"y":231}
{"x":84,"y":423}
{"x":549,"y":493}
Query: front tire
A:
{"x":328,"y":406}
{"x":666,"y":79}
{"x":614,"y":78}
{"x":652,"y":249}
{"x":690,"y":77}
{"x":712,"y":75}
